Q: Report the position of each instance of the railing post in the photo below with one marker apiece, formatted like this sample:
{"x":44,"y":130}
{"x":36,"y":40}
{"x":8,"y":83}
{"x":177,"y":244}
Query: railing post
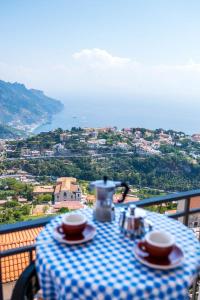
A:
{"x":186,"y":211}
{"x":30,"y":256}
{"x":194,"y":289}
{"x":1,"y":283}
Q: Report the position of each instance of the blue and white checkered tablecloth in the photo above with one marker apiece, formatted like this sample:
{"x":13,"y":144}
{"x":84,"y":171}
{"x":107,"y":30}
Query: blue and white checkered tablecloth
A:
{"x":105,"y":268}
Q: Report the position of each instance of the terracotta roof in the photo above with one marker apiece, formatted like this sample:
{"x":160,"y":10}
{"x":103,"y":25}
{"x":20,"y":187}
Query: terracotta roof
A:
{"x":195,"y":202}
{"x":74,"y":204}
{"x":74,"y":187}
{"x":66,"y":184}
{"x":169,"y":212}
{"x":90,"y":198}
{"x":66,"y":180}
{"x":131,"y":199}
{"x":12,"y":266}
{"x":43,"y":189}
{"x":127,"y":199}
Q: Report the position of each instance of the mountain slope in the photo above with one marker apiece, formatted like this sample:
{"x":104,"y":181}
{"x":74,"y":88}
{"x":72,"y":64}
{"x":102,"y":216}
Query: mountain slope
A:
{"x":20,"y":106}
{"x":7,"y":132}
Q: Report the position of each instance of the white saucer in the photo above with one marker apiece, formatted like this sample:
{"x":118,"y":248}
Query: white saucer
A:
{"x":174,"y":259}
{"x":88,"y":234}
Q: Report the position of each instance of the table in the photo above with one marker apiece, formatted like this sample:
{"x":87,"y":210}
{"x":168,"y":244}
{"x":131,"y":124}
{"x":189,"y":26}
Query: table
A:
{"x":105,"y":268}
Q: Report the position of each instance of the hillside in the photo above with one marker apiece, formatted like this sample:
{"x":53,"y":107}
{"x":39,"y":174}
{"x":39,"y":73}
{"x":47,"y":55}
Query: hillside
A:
{"x":25,"y":108}
{"x":7,"y":132}
{"x":164,"y":160}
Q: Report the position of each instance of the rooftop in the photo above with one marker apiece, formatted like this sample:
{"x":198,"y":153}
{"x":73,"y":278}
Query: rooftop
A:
{"x":69,"y":204}
{"x":43,"y":189}
{"x":127,"y":199}
{"x":66,"y":184}
{"x":12,"y":266}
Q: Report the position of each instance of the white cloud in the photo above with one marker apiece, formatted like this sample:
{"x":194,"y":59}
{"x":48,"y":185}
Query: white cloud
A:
{"x":99,"y":58}
{"x":96,"y":70}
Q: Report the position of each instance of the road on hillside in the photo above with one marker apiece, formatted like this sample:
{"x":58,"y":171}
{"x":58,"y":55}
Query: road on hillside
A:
{"x":67,"y":156}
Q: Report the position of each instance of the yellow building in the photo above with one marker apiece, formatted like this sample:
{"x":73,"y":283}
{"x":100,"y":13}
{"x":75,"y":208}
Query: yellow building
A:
{"x":67,"y":189}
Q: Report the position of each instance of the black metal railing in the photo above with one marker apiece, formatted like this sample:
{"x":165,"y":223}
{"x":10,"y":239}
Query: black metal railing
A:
{"x":186,"y":196}
{"x":176,"y":197}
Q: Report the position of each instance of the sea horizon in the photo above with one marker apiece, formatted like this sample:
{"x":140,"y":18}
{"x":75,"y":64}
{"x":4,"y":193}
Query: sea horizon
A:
{"x":125,"y":114}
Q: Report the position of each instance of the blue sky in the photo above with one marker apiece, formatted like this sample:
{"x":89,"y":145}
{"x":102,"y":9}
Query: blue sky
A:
{"x":143,"y":47}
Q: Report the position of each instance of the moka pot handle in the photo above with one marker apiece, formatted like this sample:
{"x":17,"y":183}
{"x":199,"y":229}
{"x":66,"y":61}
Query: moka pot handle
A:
{"x":126,"y":190}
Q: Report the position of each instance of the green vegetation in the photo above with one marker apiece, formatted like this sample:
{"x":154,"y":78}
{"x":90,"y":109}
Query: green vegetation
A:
{"x":168,"y":173}
{"x":43,"y":198}
{"x":14,"y":188}
{"x":173,"y":170}
{"x":63,"y":210}
{"x":13,"y":211}
{"x":162,"y":208}
{"x":149,"y":193}
{"x":85,"y":187}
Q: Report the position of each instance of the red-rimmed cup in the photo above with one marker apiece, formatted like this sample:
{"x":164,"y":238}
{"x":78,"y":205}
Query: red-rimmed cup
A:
{"x":159,"y":243}
{"x":73,"y":224}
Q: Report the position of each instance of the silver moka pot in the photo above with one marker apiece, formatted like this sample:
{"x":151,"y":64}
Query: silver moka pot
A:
{"x":104,"y":210}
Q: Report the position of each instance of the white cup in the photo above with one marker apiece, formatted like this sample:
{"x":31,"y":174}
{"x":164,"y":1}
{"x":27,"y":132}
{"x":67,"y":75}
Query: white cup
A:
{"x":73,"y":224}
{"x":159,"y":243}
{"x":73,"y":219}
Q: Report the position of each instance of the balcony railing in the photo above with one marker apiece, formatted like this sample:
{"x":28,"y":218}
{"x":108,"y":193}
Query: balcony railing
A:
{"x":182,"y":215}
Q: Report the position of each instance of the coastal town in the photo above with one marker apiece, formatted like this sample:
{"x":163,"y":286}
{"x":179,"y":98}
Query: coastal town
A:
{"x":103,"y":141}
{"x":48,"y":194}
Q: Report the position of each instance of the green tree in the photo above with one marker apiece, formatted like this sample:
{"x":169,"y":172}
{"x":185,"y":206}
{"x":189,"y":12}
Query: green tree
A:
{"x":63,"y":210}
{"x":43,"y":198}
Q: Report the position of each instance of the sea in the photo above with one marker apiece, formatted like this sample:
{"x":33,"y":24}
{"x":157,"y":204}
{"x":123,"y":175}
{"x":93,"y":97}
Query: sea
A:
{"x":125,"y":113}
